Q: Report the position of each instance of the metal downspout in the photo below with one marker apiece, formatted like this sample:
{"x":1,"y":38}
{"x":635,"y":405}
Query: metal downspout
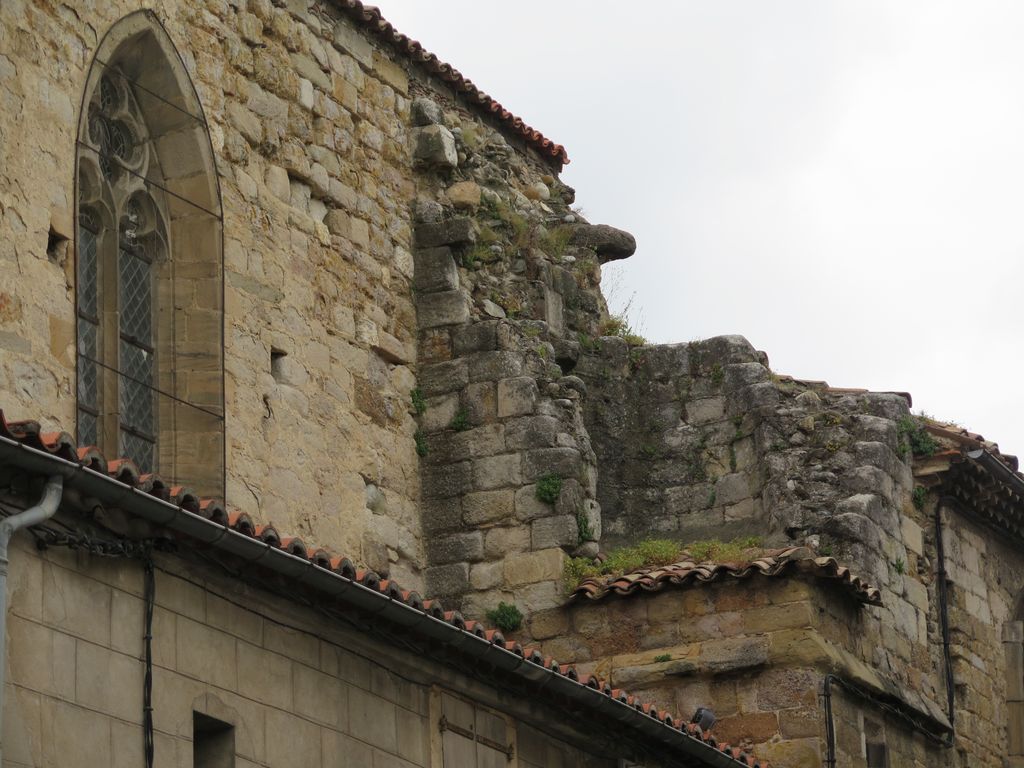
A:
{"x":41,"y":512}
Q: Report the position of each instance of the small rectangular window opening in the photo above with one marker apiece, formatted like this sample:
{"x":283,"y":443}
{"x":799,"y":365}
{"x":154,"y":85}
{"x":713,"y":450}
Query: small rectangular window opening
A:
{"x":874,"y":745}
{"x":213,"y":742}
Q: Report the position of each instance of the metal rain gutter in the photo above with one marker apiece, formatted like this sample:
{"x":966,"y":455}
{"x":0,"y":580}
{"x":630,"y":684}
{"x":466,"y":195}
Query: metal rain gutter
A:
{"x":163,"y":513}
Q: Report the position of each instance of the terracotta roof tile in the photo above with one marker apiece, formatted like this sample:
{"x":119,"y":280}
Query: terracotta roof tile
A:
{"x":775,"y":563}
{"x":61,"y":444}
{"x":369,"y":18}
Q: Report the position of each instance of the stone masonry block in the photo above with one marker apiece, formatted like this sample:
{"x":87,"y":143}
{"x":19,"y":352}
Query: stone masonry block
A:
{"x":718,"y":656}
{"x":455,"y":231}
{"x":481,"y":402}
{"x":441,"y":514}
{"x":440,"y":378}
{"x":912,"y":535}
{"x":533,"y":567}
{"x":564,"y":462}
{"x":516,"y":396}
{"x":478,"y":337}
{"x":487,"y":506}
{"x":731,"y":489}
{"x":499,"y":542}
{"x":425,"y":111}
{"x":446,"y":580}
{"x":440,"y":412}
{"x":557,"y":531}
{"x":435,"y":146}
{"x":532,"y":432}
{"x":528,"y":506}
{"x":443,"y":308}
{"x":459,"y":547}
{"x":447,"y":481}
{"x":496,"y":471}
{"x":491,"y":366}
{"x":486,"y":575}
{"x":435,"y":270}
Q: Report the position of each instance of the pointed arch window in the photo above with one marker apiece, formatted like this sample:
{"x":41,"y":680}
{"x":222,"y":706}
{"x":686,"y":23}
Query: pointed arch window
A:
{"x":149,"y":267}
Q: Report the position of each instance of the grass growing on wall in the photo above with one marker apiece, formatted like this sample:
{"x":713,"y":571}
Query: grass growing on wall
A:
{"x":653,"y":552}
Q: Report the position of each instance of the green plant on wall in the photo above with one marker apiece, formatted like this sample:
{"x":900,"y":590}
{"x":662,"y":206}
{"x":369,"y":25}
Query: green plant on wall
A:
{"x":919,"y":496}
{"x":911,"y":429}
{"x":421,"y":443}
{"x":460,"y":421}
{"x":506,"y":617}
{"x":549,"y":488}
{"x":419,"y":404}
{"x":586,"y":533}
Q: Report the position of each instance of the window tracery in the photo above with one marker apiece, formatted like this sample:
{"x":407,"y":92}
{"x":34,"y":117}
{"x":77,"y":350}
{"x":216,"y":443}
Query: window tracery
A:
{"x":149,"y":271}
{"x":116,"y":327}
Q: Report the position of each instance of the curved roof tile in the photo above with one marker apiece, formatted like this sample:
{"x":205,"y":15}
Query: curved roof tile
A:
{"x":775,"y":563}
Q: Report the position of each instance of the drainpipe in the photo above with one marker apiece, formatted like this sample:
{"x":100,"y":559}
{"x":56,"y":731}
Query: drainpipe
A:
{"x":41,"y":512}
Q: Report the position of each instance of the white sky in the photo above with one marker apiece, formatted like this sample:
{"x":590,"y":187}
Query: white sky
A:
{"x":841,"y":182}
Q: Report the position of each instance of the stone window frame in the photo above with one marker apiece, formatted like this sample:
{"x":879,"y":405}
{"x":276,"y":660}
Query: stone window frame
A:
{"x":169,"y":173}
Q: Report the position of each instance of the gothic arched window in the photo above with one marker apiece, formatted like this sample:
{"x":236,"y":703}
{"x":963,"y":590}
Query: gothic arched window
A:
{"x":149,"y":270}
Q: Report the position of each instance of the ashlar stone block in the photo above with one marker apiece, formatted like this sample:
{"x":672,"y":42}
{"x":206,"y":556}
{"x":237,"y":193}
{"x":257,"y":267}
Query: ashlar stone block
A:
{"x":517,"y":396}
{"x":443,"y":308}
{"x":435,"y":270}
{"x":556,"y":531}
{"x":533,"y":567}
{"x":435,"y":146}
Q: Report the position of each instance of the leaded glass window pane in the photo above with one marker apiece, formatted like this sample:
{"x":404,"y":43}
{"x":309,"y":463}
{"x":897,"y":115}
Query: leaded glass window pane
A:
{"x":135,"y":386}
{"x":136,"y":296}
{"x":87,"y":428}
{"x":88,"y":274}
{"x":137,"y":449}
{"x":88,"y":375}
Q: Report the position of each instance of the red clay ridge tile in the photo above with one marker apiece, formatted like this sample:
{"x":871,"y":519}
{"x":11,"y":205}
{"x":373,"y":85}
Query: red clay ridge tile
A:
{"x":776,"y":563}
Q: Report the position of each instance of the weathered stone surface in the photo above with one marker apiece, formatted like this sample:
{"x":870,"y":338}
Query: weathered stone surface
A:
{"x":435,"y":269}
{"x":435,"y":146}
{"x":441,"y":378}
{"x":556,"y":531}
{"x":488,"y":506}
{"x":442,"y":308}
{"x":534,"y":567}
{"x":496,"y":471}
{"x":451,"y":232}
{"x":720,"y":656}
{"x":464,"y":194}
{"x":516,"y":396}
{"x":458,"y":547}
{"x":426,"y":111}
{"x":609,"y":243}
{"x":564,"y":462}
{"x":444,"y":580}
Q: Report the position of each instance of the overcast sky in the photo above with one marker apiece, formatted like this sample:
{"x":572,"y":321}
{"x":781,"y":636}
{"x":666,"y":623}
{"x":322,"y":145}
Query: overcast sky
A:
{"x":841,"y":182}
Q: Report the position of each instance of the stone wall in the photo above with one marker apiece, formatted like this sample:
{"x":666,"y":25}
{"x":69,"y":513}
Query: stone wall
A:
{"x":309,"y":124}
{"x":746,"y":650}
{"x":297,"y":688}
{"x":506,"y":281}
